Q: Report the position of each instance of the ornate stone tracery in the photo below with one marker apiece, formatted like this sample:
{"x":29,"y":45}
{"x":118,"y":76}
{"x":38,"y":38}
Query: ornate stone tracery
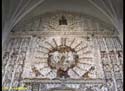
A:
{"x":82,"y":55}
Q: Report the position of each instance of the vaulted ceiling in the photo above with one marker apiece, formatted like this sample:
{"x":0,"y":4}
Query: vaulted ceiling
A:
{"x":82,"y":6}
{"x":13,"y":11}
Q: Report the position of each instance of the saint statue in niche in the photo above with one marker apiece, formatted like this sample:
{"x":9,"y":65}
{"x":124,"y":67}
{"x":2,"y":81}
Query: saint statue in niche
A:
{"x":63,"y":21}
{"x":119,"y":53}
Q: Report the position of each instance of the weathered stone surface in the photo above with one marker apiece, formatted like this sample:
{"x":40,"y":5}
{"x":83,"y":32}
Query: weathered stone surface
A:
{"x":88,"y":60}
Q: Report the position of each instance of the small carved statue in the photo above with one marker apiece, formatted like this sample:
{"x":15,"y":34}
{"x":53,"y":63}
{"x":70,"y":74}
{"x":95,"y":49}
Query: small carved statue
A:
{"x":62,"y":73}
{"x":35,"y":71}
{"x":63,"y":21}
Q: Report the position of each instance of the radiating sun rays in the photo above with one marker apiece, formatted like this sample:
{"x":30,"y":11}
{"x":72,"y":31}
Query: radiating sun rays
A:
{"x":53,"y":46}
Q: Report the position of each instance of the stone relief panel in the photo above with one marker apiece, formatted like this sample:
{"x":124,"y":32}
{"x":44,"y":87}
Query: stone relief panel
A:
{"x":62,"y":57}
